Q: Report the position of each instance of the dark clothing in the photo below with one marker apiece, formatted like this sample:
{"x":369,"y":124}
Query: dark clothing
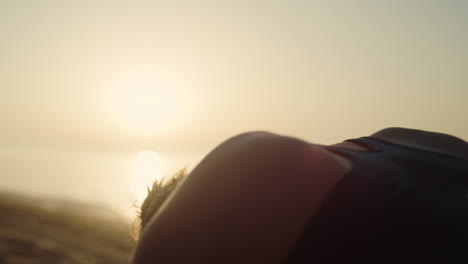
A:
{"x":396,"y":205}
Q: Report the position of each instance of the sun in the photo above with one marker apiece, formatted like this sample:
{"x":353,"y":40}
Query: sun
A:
{"x":147,"y":103}
{"x":146,"y":167}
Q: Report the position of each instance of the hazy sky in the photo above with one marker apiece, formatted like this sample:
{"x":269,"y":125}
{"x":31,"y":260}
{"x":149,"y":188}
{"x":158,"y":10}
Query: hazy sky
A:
{"x":109,"y":76}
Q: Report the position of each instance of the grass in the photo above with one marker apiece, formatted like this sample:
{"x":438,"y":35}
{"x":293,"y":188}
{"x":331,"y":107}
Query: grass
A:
{"x":31,"y":233}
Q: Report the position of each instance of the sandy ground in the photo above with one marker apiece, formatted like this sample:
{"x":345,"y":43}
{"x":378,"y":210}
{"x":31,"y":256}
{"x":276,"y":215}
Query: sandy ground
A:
{"x":30,"y":233}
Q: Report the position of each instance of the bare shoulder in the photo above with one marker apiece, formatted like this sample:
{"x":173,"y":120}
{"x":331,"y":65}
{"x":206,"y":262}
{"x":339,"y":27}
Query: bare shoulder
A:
{"x":247,"y":202}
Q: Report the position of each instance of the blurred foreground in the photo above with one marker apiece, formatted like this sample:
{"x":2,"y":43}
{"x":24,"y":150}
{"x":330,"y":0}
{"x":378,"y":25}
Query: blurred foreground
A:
{"x":48,"y":231}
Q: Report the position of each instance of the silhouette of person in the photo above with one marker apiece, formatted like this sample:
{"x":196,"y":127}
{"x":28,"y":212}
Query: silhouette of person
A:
{"x":399,"y":195}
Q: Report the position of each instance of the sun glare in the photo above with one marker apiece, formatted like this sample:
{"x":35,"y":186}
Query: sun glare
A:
{"x":147,"y":104}
{"x":145,"y":169}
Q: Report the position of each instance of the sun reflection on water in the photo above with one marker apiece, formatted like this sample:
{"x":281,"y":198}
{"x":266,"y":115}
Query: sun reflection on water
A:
{"x":146,"y":168}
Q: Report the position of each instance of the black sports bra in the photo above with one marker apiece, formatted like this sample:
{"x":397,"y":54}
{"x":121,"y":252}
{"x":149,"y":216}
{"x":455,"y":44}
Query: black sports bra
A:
{"x":396,"y":205}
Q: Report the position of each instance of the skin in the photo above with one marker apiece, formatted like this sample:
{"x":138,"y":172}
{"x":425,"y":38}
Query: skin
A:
{"x":250,"y":199}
